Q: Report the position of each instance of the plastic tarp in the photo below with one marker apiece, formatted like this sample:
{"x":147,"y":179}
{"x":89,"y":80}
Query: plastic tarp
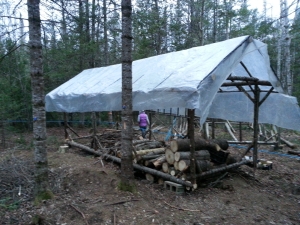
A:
{"x":189,"y":78}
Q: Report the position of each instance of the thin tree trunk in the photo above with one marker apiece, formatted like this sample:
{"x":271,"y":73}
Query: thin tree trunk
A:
{"x":127,"y":133}
{"x":38,"y":103}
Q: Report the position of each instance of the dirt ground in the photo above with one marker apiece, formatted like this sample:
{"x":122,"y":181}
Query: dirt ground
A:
{"x":86,"y":192}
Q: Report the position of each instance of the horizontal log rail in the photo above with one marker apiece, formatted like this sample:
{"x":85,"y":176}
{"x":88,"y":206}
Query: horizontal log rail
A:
{"x":246,"y":83}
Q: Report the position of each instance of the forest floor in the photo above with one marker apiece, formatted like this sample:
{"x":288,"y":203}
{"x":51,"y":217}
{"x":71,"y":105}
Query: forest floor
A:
{"x":86,"y":192}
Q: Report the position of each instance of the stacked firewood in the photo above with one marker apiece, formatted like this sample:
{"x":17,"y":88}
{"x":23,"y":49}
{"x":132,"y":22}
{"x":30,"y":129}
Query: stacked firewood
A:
{"x":175,"y":158}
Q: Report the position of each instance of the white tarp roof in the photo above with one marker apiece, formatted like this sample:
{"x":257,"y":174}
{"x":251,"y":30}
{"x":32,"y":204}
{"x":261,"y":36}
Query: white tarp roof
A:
{"x":185,"y":79}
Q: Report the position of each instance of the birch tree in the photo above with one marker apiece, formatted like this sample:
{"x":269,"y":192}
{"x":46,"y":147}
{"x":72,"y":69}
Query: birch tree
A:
{"x":38,"y":104}
{"x":127,"y":134}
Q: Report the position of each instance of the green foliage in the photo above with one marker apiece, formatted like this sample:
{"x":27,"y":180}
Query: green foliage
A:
{"x":9,"y":204}
{"x":130,"y":187}
{"x":40,"y":197}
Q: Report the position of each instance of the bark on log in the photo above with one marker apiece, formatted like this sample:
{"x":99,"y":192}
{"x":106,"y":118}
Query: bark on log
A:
{"x":219,"y":157}
{"x":154,"y":150}
{"x":202,"y":155}
{"x":157,"y":163}
{"x":294,"y":152}
{"x":135,"y":166}
{"x":201,"y":165}
{"x":200,"y":144}
{"x":170,"y":157}
{"x":149,"y":145}
{"x":151,"y":156}
{"x":221,"y":169}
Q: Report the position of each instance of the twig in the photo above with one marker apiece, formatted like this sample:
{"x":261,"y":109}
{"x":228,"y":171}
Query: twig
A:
{"x":212,"y":184}
{"x":80,"y":213}
{"x":191,"y":210}
{"x":121,"y":202}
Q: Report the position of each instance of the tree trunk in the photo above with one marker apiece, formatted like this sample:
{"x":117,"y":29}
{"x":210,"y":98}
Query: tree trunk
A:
{"x":127,"y":134}
{"x":38,"y":103}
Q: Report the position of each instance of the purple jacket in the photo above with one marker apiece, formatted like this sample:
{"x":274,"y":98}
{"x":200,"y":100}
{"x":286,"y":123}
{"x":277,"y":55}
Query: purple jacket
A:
{"x":143,"y":119}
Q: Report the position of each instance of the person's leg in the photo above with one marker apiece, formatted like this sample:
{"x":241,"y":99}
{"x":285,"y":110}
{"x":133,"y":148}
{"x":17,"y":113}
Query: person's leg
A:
{"x":143,"y":129}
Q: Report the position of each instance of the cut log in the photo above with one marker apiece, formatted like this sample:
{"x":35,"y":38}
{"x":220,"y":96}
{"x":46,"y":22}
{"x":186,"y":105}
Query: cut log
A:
{"x":173,"y":172}
{"x":183,"y":164}
{"x":154,"y":150}
{"x":170,"y":156}
{"x":150,"y":177}
{"x":151,"y":156}
{"x":201,"y":165}
{"x":176,"y":165}
{"x":160,"y":181}
{"x":200,"y":144}
{"x":63,"y":149}
{"x":157,"y":163}
{"x":202,"y":155}
{"x":149,"y":145}
{"x":219,"y":157}
{"x":165,"y":167}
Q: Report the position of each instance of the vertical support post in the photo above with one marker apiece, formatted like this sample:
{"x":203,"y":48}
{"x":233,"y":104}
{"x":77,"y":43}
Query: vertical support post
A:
{"x":213,"y":128}
{"x":150,"y":125}
{"x":65,"y":125}
{"x":240,"y":128}
{"x":255,"y":124}
{"x":191,"y":136}
{"x":278,"y":138}
{"x":94,"y":130}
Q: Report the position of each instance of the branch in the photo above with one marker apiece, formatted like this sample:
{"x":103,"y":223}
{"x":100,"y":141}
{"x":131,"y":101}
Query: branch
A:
{"x":191,"y":210}
{"x":80,"y":213}
{"x":121,"y":202}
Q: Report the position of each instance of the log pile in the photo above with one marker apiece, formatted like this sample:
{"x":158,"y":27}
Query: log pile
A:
{"x":172,"y":161}
{"x":175,"y":159}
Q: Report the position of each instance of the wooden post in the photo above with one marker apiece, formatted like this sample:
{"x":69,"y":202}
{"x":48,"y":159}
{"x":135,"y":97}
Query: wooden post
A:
{"x":213,"y":128}
{"x":65,"y":125}
{"x":150,"y":125}
{"x":240,"y":128}
{"x":255,"y":124}
{"x":191,"y":133}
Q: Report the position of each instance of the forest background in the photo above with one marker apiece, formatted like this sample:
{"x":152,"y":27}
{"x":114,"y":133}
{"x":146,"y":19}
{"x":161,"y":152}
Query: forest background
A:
{"x":82,"y":34}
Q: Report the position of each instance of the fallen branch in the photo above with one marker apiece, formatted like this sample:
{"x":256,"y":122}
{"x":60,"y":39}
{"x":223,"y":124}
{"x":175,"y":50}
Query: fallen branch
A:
{"x":190,"y":210}
{"x":289,"y":144}
{"x":80,"y":213}
{"x":121,"y":202}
